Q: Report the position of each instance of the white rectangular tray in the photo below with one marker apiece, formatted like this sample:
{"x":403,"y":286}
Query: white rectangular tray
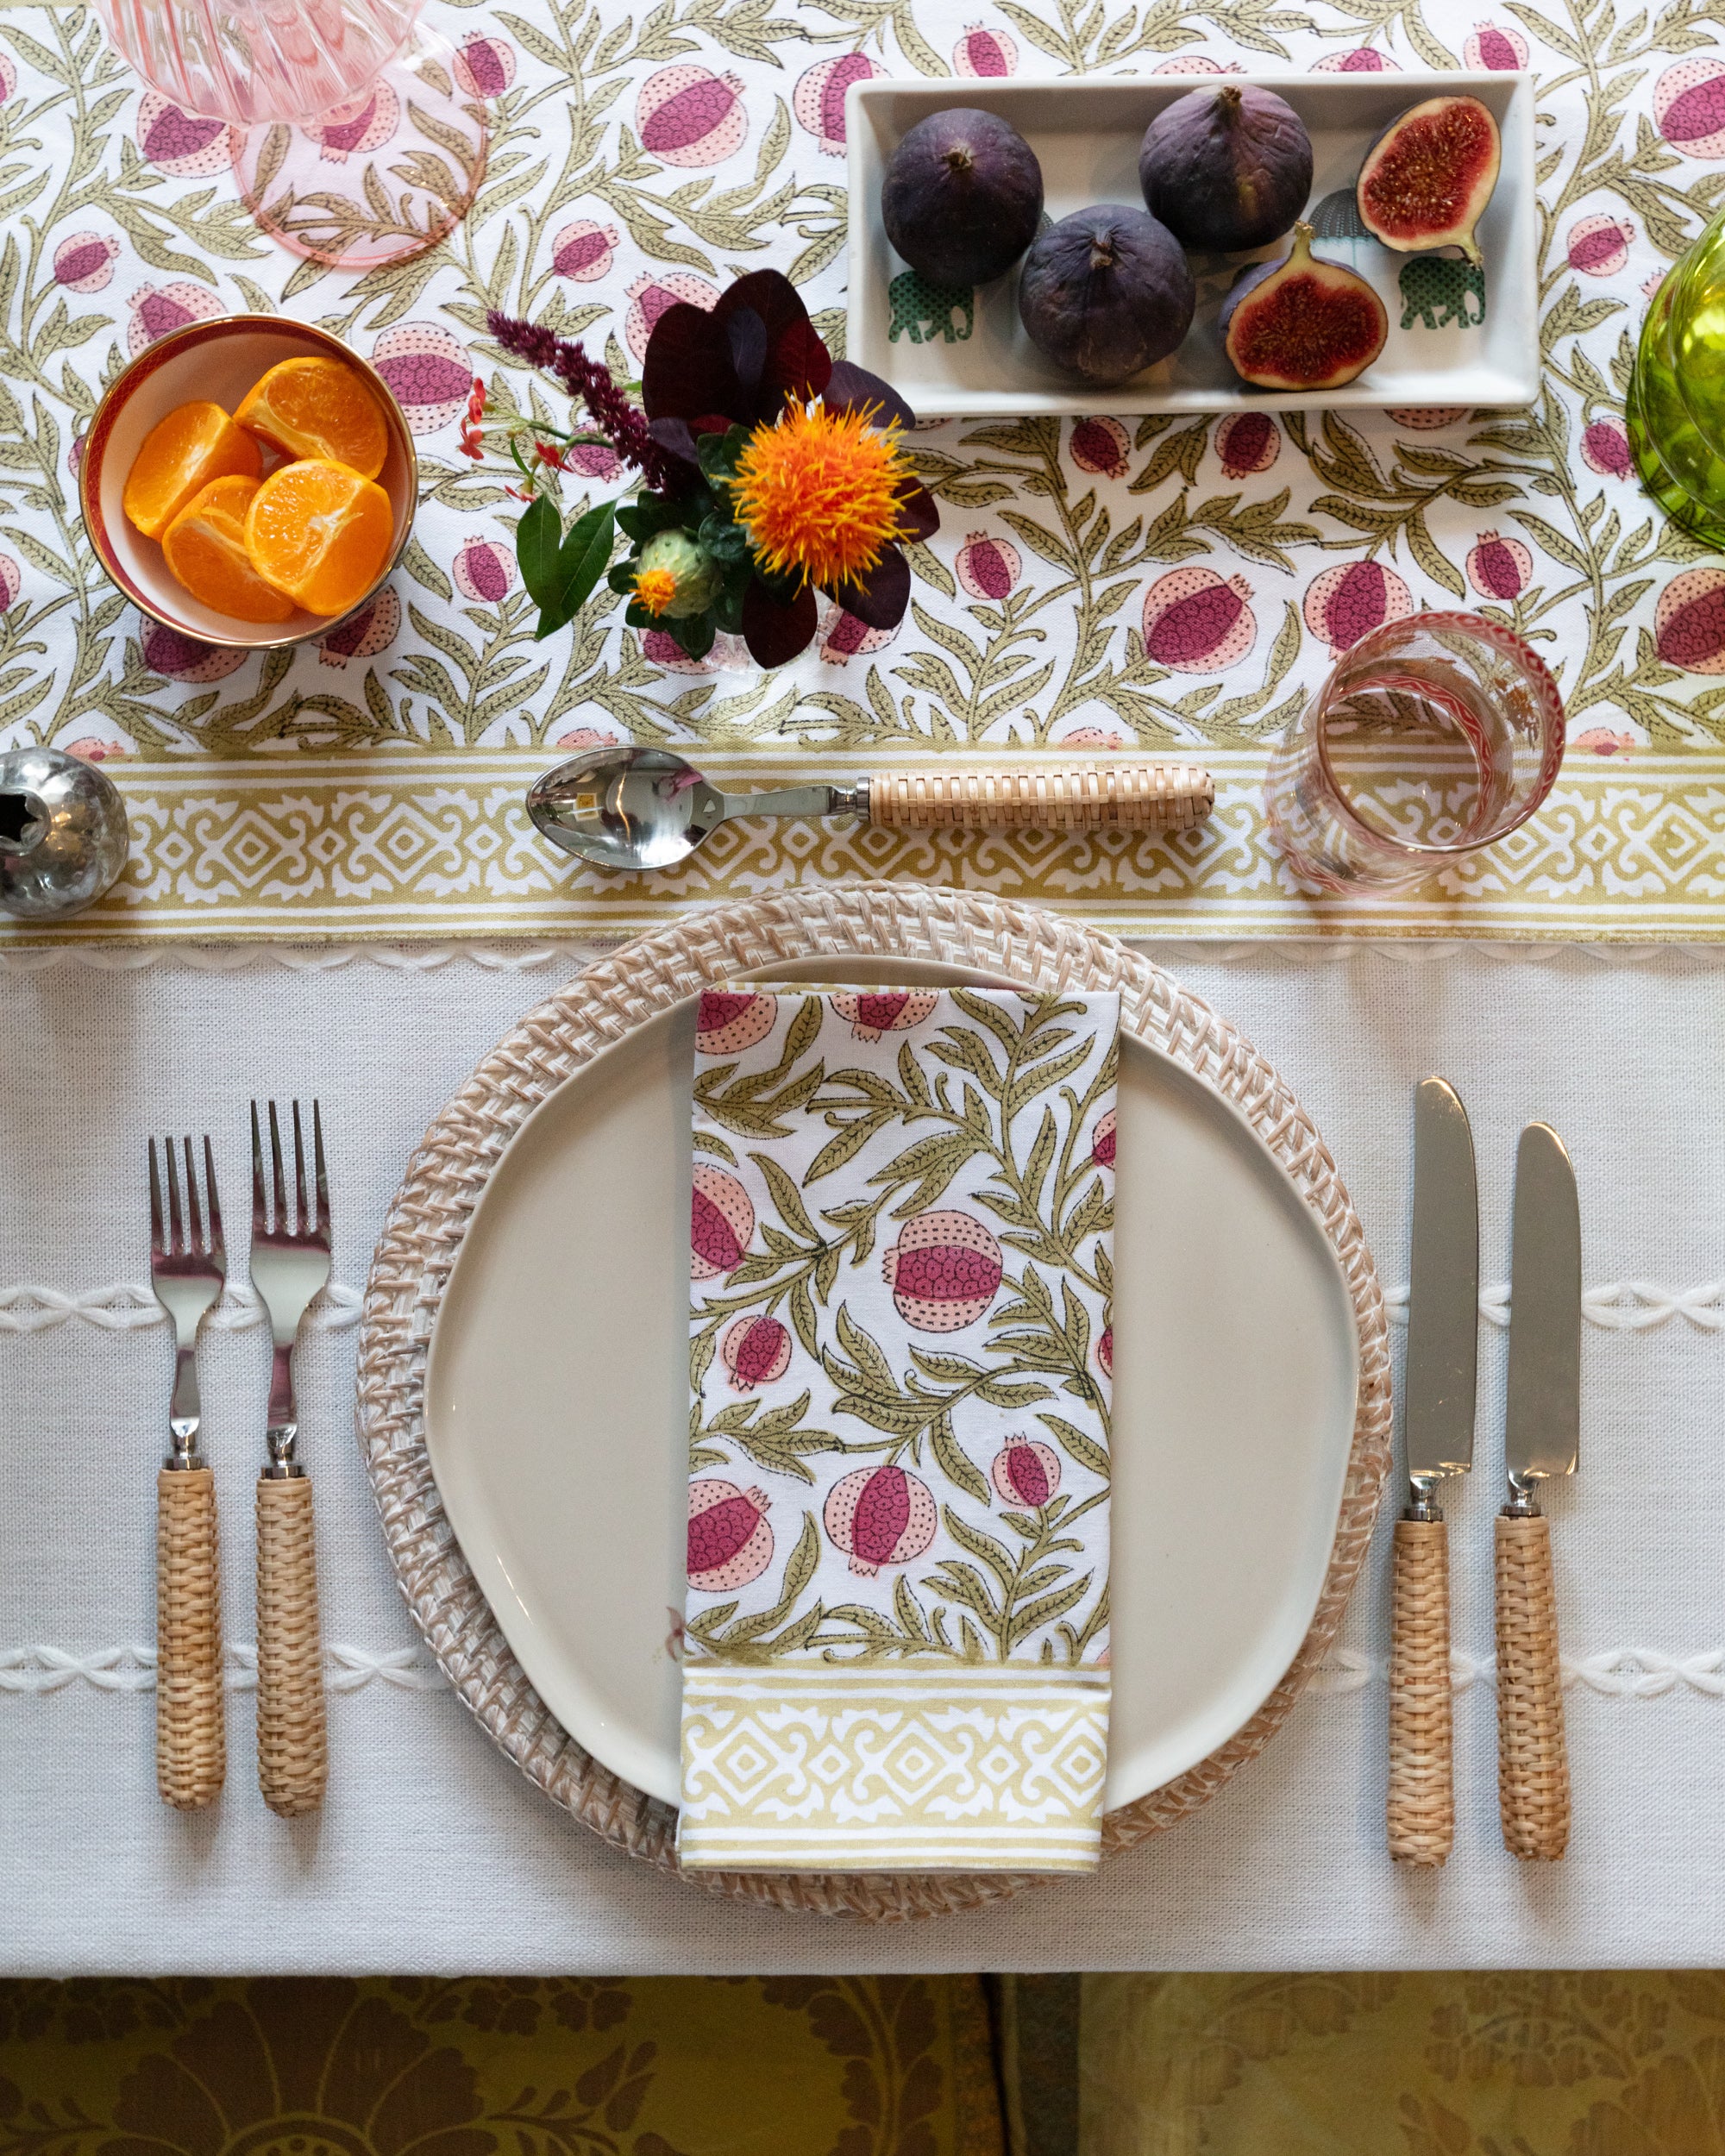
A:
{"x":1086,"y":131}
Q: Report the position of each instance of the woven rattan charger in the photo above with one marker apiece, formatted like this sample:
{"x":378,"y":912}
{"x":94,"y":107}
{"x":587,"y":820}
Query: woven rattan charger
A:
{"x":430,"y":1216}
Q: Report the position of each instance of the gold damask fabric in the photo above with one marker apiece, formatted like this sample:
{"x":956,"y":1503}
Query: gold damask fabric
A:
{"x":1585,"y":2063}
{"x":564,"y":2066}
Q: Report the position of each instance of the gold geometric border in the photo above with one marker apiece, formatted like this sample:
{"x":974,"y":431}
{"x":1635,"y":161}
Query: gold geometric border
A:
{"x":429,"y":1218}
{"x":404,"y":846}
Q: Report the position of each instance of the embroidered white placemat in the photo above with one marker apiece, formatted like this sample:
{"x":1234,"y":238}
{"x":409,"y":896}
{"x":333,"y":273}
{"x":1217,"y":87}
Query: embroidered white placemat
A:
{"x":896,"y":1649}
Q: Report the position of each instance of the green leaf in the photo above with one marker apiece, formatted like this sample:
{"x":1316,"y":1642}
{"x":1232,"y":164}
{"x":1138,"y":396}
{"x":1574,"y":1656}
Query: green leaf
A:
{"x":953,"y":1462}
{"x":1084,"y":1450}
{"x":539,"y":537}
{"x":787,"y":1197}
{"x":581,"y":560}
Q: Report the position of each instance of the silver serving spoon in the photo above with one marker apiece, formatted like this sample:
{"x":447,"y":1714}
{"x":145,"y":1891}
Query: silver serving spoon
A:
{"x":648,"y":808}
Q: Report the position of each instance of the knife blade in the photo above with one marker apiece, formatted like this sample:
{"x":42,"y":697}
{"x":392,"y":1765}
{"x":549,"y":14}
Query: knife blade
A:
{"x":1437,"y":1429}
{"x":1541,"y":1440}
{"x":1542,"y":1412}
{"x":1443,"y":1302}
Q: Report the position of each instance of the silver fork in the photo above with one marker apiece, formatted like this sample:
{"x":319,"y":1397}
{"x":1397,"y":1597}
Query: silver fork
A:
{"x":188,"y":1266}
{"x":290,"y":1264}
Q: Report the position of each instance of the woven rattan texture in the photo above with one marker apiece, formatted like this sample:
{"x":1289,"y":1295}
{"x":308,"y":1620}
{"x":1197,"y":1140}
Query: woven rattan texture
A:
{"x":1420,"y":1811}
{"x":432,"y":1209}
{"x":1532,"y":1758}
{"x":191,"y":1746}
{"x":1142,"y":797}
{"x":293,"y":1749}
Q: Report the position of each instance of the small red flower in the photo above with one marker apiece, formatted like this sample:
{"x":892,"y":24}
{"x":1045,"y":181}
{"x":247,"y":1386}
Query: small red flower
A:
{"x":472,"y":446}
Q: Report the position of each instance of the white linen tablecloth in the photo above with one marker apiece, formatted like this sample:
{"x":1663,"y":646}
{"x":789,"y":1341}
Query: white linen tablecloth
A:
{"x":434,"y":1854}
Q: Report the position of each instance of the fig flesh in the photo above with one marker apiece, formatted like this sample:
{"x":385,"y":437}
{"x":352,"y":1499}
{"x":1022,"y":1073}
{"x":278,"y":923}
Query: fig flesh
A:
{"x":1302,"y":323}
{"x":1428,"y":177}
{"x":962,"y":197}
{"x":1105,"y":292}
{"x":1226,"y":169}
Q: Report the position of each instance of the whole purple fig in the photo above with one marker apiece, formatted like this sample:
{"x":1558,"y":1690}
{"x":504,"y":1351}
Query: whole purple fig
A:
{"x":1226,"y":169}
{"x":1105,"y":292}
{"x":962,"y":197}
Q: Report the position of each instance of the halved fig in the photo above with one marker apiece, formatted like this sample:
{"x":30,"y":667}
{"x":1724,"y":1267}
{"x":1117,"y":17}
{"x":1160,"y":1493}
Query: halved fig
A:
{"x":1428,"y":177}
{"x":1302,"y":323}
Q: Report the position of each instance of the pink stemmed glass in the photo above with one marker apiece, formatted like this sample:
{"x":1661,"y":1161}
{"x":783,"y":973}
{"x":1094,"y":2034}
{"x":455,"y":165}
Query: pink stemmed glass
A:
{"x":359,"y":143}
{"x":1432,"y":737}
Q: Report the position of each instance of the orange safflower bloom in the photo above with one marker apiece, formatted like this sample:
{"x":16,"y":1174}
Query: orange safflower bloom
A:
{"x":818,"y":494}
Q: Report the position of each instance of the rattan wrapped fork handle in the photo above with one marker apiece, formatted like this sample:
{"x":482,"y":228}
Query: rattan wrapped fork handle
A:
{"x":191,"y":1749}
{"x":1142,"y":797}
{"x":1420,"y":1811}
{"x":1532,"y":1760}
{"x":294,"y":1757}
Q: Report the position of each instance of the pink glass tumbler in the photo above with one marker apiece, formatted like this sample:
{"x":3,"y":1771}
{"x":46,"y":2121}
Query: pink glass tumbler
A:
{"x":1432,"y":737}
{"x":358,"y":137}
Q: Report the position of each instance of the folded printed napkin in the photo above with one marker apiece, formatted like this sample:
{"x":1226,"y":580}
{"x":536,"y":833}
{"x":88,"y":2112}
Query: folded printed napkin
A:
{"x":896,"y":1638}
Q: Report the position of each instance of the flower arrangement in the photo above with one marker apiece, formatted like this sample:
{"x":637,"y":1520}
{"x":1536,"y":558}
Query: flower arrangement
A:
{"x":769,"y":472}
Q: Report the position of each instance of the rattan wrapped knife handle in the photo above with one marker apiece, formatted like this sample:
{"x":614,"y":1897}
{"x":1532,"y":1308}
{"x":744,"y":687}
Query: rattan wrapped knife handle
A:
{"x":1532,"y":1760}
{"x":293,"y":1756}
{"x":1420,"y":1811}
{"x":1138,"y":797}
{"x":191,"y":1748}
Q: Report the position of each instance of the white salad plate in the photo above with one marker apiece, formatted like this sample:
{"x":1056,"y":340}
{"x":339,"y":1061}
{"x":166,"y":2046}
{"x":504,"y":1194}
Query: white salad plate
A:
{"x":1252,"y":1390}
{"x":1086,"y":131}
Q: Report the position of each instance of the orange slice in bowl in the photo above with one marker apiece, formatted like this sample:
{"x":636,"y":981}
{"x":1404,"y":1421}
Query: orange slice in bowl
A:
{"x":318,"y":408}
{"x":319,"y":532}
{"x":181,"y":454}
{"x":205,"y":548}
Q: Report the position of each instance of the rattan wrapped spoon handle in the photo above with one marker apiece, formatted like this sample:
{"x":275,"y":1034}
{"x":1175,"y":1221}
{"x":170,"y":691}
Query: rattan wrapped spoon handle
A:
{"x":1138,"y":797}
{"x":191,"y":1748}
{"x":293,"y":1753}
{"x":1421,"y":1810}
{"x":1532,"y":1758}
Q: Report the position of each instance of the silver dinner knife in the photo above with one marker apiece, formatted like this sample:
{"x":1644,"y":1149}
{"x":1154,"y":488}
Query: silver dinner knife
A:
{"x":1437,"y":1428}
{"x":1541,"y":1439}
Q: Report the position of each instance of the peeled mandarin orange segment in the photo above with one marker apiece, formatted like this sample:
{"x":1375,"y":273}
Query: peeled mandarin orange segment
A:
{"x":318,"y":408}
{"x":320,"y":533}
{"x":205,"y":548}
{"x":181,"y":454}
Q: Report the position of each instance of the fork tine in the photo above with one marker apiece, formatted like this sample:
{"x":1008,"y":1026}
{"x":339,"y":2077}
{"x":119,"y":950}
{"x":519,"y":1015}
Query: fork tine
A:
{"x":157,"y":1245}
{"x":306,"y":1220}
{"x":193,"y":1205}
{"x":276,"y":1190}
{"x":178,"y":1240}
{"x":217,"y":1242}
{"x":317,"y":1165}
{"x":259,"y":1216}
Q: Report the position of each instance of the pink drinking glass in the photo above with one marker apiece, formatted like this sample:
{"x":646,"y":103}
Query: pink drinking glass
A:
{"x":1432,"y":737}
{"x":360,"y":137}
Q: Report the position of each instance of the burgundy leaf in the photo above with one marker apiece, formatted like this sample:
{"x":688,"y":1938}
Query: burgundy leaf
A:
{"x":854,"y":388}
{"x":687,"y":369}
{"x":881,"y":596}
{"x":676,"y":438}
{"x":797,"y":363}
{"x":920,"y":510}
{"x":747,"y":336}
{"x":774,"y":633}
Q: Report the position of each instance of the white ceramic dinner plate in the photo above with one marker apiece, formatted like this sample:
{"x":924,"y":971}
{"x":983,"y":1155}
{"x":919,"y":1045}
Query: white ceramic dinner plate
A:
{"x":556,"y":1402}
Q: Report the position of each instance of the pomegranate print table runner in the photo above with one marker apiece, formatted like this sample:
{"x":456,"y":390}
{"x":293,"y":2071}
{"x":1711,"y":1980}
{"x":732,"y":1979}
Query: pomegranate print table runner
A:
{"x":896,"y":1644}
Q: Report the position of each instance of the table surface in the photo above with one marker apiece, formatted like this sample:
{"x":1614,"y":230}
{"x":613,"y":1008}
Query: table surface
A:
{"x":434,"y":1854}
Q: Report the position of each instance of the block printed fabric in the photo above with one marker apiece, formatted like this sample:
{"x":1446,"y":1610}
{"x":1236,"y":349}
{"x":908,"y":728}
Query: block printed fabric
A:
{"x":896,"y":1640}
{"x":1098,"y":585}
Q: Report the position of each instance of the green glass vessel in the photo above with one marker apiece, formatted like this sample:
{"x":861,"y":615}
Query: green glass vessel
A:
{"x":1676,"y":404}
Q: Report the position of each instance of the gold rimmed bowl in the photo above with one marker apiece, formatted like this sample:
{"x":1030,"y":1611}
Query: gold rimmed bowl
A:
{"x":218,"y":361}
